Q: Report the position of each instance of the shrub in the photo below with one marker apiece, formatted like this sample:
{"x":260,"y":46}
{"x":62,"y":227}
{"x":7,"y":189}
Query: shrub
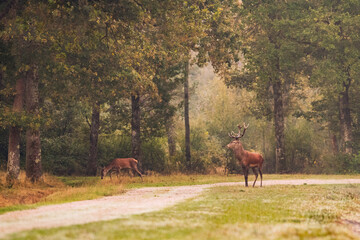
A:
{"x":154,"y":155}
{"x":302,"y":146}
{"x":64,"y":155}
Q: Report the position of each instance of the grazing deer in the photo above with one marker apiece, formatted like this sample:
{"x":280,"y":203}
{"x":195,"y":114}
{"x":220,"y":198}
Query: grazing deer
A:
{"x":121,"y":163}
{"x":246,"y":159}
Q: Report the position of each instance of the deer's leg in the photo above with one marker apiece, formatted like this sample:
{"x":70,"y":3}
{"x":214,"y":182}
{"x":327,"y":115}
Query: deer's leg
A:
{"x":129,"y":170}
{"x":246,"y":173}
{"x":138,"y":172}
{"x":260,"y":171}
{"x":256,"y":175}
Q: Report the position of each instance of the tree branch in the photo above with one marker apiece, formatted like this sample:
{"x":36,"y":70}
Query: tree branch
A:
{"x":87,"y":120}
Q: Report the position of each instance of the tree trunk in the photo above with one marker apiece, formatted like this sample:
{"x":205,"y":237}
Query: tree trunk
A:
{"x":94,"y":136}
{"x":13,"y":165}
{"x":33,"y":144}
{"x":334,"y":144}
{"x":135,"y":128}
{"x":280,"y":162}
{"x":170,"y":130}
{"x":345,"y":119}
{"x":186,"y":116}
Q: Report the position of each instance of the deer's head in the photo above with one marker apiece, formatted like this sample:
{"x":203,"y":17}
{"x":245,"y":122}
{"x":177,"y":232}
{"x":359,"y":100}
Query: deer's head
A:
{"x":103,"y":172}
{"x":235,"y":143}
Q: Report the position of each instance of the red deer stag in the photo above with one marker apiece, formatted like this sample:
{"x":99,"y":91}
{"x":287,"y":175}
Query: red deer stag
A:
{"x":121,"y":163}
{"x":246,"y":159}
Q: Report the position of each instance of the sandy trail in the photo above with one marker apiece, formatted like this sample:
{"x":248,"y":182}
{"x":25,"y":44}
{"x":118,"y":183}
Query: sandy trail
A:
{"x":135,"y":201}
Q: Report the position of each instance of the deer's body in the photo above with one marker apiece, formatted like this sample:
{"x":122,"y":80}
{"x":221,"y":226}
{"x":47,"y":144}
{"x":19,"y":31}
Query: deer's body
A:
{"x":246,"y":159}
{"x":121,"y":163}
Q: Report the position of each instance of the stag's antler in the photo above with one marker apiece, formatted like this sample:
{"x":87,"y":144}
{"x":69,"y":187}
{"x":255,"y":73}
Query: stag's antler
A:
{"x":234,"y":135}
{"x":245,"y":127}
{"x":239,"y":135}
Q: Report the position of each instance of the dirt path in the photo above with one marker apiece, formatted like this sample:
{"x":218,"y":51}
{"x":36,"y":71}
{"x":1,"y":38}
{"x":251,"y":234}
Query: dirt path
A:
{"x":135,"y":201}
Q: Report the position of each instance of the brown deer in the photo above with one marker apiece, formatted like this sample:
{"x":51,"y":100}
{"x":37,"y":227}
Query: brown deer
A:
{"x":121,"y":163}
{"x":246,"y":159}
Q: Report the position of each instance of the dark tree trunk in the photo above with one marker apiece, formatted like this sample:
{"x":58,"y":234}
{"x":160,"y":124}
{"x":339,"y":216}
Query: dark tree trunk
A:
{"x":33,"y":145}
{"x":345,"y":118}
{"x":170,"y":131}
{"x":135,"y":129}
{"x":280,"y":162}
{"x":94,"y":136}
{"x":334,"y":144}
{"x":186,"y":116}
{"x":13,"y":165}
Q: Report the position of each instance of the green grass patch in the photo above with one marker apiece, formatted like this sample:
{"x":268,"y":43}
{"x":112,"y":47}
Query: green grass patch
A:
{"x":182,"y":179}
{"x":272,"y":212}
{"x":79,"y":181}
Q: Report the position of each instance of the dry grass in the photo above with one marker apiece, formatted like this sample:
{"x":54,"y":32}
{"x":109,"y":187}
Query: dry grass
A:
{"x":25,"y":192}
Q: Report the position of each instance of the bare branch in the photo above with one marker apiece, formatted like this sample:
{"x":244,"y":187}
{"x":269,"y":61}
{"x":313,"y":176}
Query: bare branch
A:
{"x":87,"y":120}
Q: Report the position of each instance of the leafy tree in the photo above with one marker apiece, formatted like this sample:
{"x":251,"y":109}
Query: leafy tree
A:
{"x":272,"y":58}
{"x":100,"y":56}
{"x":26,"y":31}
{"x":335,"y":34}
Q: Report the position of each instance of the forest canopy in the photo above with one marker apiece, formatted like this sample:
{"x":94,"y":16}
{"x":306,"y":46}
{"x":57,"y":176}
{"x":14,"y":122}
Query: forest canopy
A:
{"x":84,"y":82}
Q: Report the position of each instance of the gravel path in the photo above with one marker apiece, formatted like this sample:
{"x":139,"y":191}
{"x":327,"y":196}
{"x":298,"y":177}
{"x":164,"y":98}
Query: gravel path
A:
{"x":135,"y":201}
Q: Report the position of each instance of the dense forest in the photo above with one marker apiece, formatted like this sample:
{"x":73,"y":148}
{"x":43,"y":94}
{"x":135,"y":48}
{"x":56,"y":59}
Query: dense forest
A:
{"x":83,"y":82}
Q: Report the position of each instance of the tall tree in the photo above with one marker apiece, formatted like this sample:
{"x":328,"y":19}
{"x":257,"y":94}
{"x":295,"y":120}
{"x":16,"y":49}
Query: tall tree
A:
{"x":13,"y":165}
{"x":94,"y":139}
{"x":162,"y":39}
{"x":33,"y":144}
{"x":135,"y":128}
{"x":272,"y":58}
{"x":336,"y":37}
{"x":88,"y":60}
{"x":7,"y":62}
{"x":187,"y":117}
{"x":27,"y":35}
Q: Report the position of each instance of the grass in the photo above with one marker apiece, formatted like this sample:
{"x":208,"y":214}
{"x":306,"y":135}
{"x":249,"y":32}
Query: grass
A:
{"x":272,"y":212}
{"x":53,"y":190}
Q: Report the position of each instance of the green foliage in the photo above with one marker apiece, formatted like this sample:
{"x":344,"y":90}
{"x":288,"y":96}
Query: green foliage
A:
{"x":336,"y":65}
{"x":340,"y":164}
{"x":64,"y":155}
{"x":105,"y":51}
{"x":352,"y":164}
{"x":154,"y":155}
{"x":207,"y":152}
{"x":113,"y":146}
{"x":118,"y":145}
{"x":303,"y":148}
